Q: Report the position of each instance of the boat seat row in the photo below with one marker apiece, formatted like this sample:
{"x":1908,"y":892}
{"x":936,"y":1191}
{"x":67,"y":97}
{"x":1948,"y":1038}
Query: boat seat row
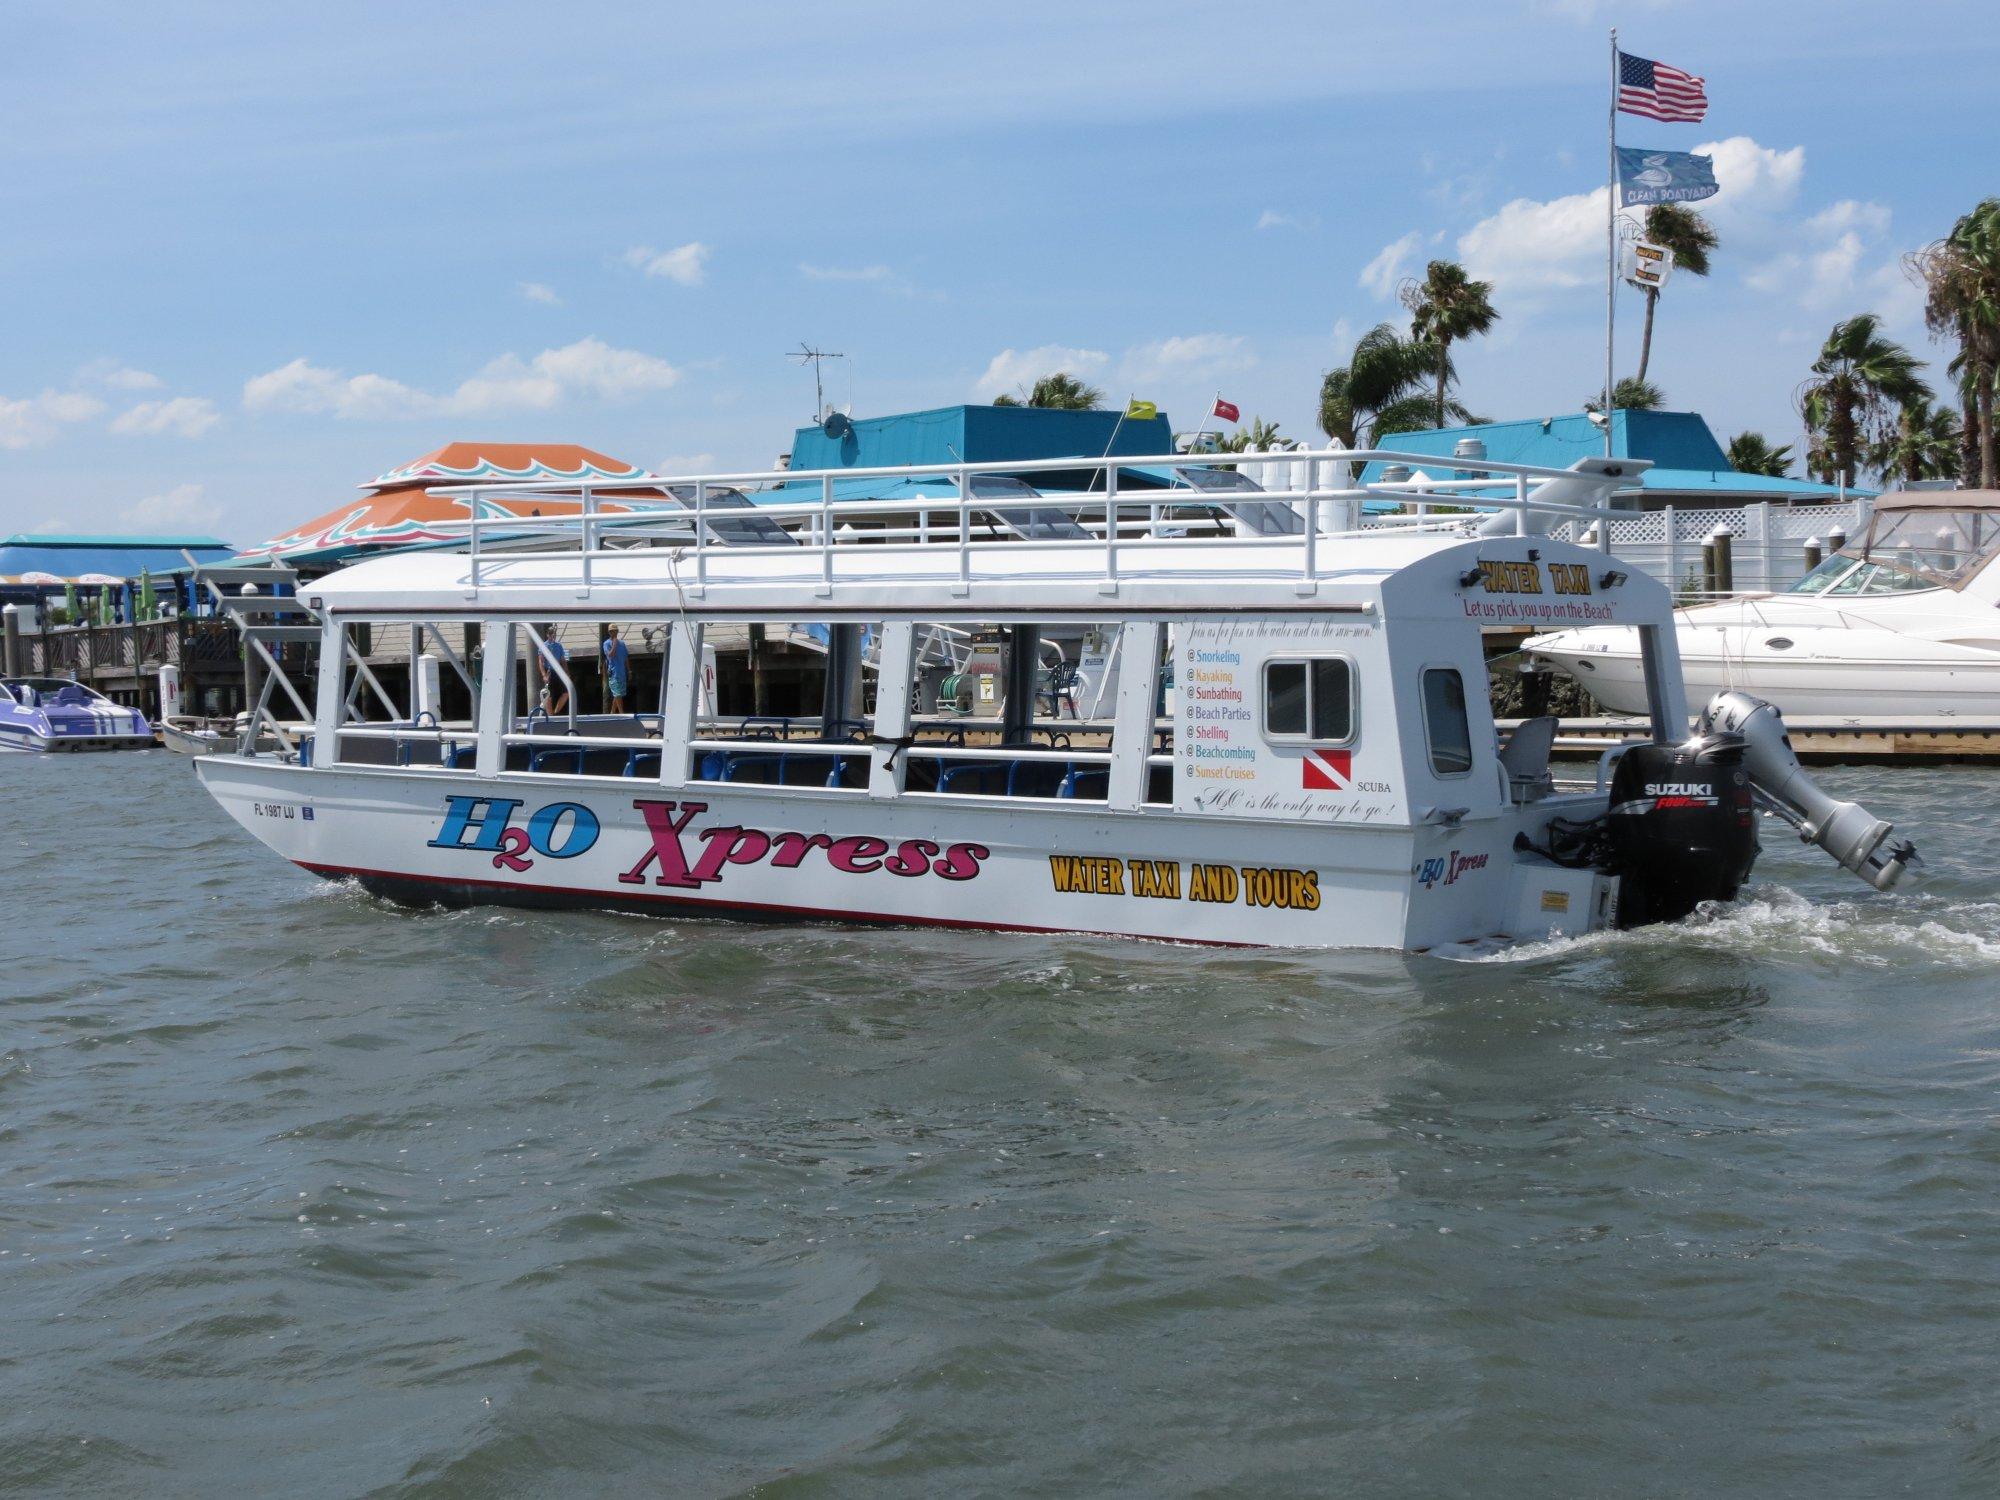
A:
{"x":1031,"y":775}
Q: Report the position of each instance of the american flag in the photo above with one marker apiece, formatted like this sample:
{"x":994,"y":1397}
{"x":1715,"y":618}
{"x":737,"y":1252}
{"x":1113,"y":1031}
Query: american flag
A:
{"x":1657,"y":91}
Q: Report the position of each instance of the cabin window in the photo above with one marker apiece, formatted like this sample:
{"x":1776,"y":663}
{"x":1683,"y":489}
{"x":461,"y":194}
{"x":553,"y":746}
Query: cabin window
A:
{"x":1446,"y":724}
{"x":1309,"y":700}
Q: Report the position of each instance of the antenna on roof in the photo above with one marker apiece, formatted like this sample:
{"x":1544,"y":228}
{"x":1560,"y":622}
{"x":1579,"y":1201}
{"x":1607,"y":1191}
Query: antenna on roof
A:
{"x":805,"y":354}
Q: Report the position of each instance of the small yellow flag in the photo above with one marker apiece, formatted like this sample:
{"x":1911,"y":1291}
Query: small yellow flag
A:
{"x":1141,"y":411}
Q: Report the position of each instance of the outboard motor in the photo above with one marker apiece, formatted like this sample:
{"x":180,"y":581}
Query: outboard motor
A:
{"x":1849,"y":832}
{"x":1682,"y":827}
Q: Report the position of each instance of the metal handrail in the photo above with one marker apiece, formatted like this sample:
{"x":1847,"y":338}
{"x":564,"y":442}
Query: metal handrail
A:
{"x":692,"y":528}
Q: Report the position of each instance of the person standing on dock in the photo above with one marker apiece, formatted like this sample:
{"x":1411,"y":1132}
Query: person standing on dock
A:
{"x":617,"y":669}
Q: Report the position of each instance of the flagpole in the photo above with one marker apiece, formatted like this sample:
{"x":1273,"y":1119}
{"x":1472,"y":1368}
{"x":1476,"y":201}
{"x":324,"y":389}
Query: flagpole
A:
{"x":1611,"y":251}
{"x":1123,"y":413}
{"x":1199,"y":431}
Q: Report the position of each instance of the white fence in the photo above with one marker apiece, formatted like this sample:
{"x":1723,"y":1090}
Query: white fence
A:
{"x":1767,"y":542}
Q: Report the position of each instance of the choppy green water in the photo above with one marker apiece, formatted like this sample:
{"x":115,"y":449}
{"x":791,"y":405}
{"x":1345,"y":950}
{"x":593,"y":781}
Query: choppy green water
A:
{"x":300,"y":1193}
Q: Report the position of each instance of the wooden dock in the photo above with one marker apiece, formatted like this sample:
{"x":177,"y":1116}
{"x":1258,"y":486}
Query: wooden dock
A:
{"x":1823,"y":739}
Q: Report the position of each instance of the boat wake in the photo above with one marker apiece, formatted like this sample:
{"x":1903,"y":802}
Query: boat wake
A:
{"x":1780,"y":925}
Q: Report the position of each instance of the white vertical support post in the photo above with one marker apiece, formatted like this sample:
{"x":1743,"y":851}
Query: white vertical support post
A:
{"x":427,"y":689}
{"x":472,"y":533}
{"x":330,"y":706}
{"x":825,"y":536}
{"x":1132,"y":721}
{"x":1109,"y":583}
{"x":1521,"y":501}
{"x":700,"y":537}
{"x":496,"y":699}
{"x":678,"y":701}
{"x":589,"y":531}
{"x":1673,"y":541}
{"x":1760,"y":538}
{"x":963,"y":584}
{"x":888,"y":759}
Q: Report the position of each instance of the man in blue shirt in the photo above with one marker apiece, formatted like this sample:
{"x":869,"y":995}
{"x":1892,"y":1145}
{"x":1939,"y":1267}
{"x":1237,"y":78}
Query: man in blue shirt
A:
{"x":617,"y":669}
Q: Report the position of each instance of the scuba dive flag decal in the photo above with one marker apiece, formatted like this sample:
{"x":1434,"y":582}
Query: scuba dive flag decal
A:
{"x":1328,"y":770}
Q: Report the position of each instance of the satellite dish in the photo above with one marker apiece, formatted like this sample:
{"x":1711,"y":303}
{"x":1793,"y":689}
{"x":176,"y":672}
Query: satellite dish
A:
{"x":837,"y":425}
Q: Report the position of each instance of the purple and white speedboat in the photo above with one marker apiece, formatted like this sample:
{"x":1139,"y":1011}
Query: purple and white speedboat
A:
{"x":49,"y":713}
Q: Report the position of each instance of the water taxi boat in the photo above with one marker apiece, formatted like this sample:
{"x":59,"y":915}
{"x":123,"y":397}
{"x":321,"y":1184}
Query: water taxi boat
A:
{"x":1899,"y":624}
{"x":1329,"y":773}
{"x":40,"y":714}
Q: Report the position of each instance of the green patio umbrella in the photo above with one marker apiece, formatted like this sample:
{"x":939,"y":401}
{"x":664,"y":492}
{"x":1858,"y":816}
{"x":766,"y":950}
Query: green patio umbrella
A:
{"x":148,"y":604}
{"x":71,"y":609}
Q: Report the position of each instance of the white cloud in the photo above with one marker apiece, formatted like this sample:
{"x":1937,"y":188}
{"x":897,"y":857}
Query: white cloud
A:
{"x":28,"y":421}
{"x":878,"y":276}
{"x":595,"y":368}
{"x":302,"y":386}
{"x":1189,"y":354}
{"x":1272,"y":218}
{"x":686,"y":264}
{"x":1382,"y":273}
{"x":180,"y":416}
{"x":845,"y":273}
{"x":1531,"y":245}
{"x":1535,"y":246}
{"x":1838,"y":264}
{"x":1850,"y":214}
{"x":1757,"y":183}
{"x":685,"y":463}
{"x":185,"y":505}
{"x":1012,"y":370}
{"x":536,"y":291}
{"x":588,"y":367}
{"x":119,"y":377}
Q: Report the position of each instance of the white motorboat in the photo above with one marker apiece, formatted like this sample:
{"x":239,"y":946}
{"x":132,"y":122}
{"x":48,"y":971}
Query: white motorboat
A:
{"x":1330,"y":773}
{"x":40,"y":714}
{"x":1901,"y":623}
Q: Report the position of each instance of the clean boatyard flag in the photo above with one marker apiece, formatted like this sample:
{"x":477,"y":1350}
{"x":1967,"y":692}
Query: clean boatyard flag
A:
{"x":1141,"y":411}
{"x":1227,"y":410}
{"x":1659,"y":92}
{"x":1664,"y":176}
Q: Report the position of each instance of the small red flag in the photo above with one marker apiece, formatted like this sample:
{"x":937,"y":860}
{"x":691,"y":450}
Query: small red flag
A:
{"x":1226,"y":411}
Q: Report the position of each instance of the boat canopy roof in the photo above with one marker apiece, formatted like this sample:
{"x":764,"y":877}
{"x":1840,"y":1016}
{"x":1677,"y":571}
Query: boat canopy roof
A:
{"x":1391,"y":574}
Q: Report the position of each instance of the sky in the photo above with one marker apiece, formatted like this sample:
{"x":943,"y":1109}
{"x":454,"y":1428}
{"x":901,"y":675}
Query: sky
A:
{"x":252,"y":256}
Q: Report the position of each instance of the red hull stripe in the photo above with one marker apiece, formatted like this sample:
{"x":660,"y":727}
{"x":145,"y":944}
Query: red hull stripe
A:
{"x":587,"y":897}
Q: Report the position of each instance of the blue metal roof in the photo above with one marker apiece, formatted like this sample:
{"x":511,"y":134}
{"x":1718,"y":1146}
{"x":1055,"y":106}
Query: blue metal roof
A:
{"x":70,"y":557}
{"x":979,"y":434}
{"x":1686,"y":457}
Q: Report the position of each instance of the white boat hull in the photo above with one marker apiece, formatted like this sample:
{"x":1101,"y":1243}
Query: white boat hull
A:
{"x":1854,"y":660}
{"x":726,"y":850}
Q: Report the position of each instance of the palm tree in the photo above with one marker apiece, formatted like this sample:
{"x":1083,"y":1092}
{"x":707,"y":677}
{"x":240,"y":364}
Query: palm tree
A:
{"x":1961,"y":278}
{"x":1858,"y":377}
{"x":1631,"y":394}
{"x":1378,"y":385}
{"x":1058,"y":392}
{"x":1690,"y":237}
{"x":1923,"y":444}
{"x":1445,"y":306}
{"x":1750,"y":453}
{"x":1258,"y":434}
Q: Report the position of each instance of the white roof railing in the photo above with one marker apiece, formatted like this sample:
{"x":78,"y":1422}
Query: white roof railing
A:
{"x":1101,"y":516}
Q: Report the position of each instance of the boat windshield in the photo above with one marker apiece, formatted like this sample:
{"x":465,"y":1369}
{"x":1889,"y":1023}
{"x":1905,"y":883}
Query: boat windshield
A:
{"x":1905,"y":550}
{"x":47,"y":691}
